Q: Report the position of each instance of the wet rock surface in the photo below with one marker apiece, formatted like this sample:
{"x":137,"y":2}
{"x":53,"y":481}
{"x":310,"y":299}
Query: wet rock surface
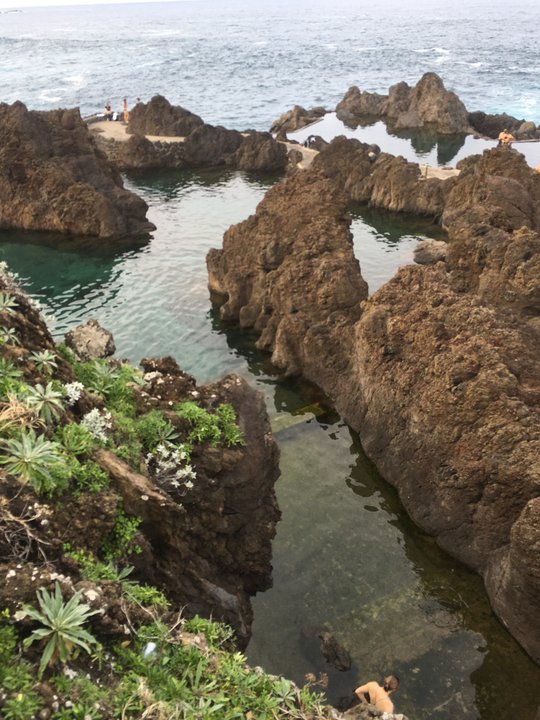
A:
{"x":53,"y":178}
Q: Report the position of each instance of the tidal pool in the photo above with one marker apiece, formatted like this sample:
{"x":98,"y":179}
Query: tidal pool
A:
{"x":419,"y":146}
{"x":346,"y":557}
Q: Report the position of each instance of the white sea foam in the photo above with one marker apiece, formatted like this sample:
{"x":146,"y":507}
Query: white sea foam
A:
{"x":77,"y":81}
{"x":51,"y":95}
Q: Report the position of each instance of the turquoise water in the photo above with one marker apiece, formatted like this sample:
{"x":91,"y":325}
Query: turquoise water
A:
{"x":346,"y":558}
{"x":241,"y":63}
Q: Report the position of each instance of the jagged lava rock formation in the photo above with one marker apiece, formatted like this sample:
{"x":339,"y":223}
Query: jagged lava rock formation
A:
{"x":53,"y":178}
{"x":159,"y":117}
{"x":427,"y":105}
{"x":438,"y":370}
{"x":203,"y":145}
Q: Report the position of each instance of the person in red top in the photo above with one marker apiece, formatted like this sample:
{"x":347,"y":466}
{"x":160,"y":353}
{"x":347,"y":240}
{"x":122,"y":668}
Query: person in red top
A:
{"x":378,"y":695}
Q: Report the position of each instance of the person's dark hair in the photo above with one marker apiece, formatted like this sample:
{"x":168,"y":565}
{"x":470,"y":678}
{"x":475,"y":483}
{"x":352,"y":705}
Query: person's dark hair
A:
{"x":391,"y":683}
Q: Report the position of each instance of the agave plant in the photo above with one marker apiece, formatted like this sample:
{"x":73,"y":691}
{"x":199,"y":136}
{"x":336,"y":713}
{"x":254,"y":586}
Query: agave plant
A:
{"x":30,"y":456}
{"x":7,"y":302}
{"x":8,"y":373}
{"x":8,"y":336}
{"x":62,"y":625}
{"x":46,"y":401}
{"x":45,"y":361}
{"x":103,"y":377}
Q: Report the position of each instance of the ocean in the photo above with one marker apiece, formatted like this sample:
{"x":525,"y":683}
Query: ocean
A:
{"x":241,"y":64}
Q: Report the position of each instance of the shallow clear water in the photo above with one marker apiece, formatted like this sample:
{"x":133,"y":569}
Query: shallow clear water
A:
{"x":346,"y":558}
{"x":241,"y":63}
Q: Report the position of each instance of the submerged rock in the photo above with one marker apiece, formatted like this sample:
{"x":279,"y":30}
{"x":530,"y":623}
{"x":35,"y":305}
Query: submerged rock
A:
{"x":334,"y":653}
{"x":53,"y":178}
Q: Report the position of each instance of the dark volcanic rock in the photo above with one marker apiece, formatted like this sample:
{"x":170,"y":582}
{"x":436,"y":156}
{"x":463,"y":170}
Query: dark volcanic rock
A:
{"x":446,"y":399}
{"x":429,"y":252}
{"x":290,"y":272}
{"x":438,"y":370}
{"x":357,"y":105}
{"x":211,"y":146}
{"x":208,"y":544}
{"x":206,"y":146}
{"x":159,"y":117}
{"x":296,"y":118}
{"x":52,"y":177}
{"x":388,"y":182}
{"x":139,"y":153}
{"x":497,"y":188}
{"x":428,"y":104}
{"x":259,"y":152}
{"x":492,"y":125}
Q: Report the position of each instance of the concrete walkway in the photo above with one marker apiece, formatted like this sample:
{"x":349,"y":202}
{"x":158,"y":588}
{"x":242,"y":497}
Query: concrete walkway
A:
{"x":116,"y":130}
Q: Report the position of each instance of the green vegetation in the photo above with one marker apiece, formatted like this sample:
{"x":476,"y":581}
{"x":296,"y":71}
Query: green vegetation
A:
{"x":61,"y":626}
{"x":164,"y":669}
{"x":45,"y":361}
{"x":7,"y":302}
{"x":163,"y":672}
{"x":76,"y":439}
{"x":46,"y":401}
{"x":120,"y":542}
{"x":8,"y":336}
{"x":208,"y":427}
{"x":153,"y":429}
{"x":30,"y":457}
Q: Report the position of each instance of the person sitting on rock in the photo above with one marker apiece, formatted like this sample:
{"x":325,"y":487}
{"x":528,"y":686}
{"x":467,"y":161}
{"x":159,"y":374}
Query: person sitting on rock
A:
{"x":108,"y":112}
{"x":506,"y":138}
{"x":378,"y":695}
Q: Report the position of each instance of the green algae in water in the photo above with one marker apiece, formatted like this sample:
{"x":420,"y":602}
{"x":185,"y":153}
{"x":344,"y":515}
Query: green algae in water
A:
{"x":346,"y":557}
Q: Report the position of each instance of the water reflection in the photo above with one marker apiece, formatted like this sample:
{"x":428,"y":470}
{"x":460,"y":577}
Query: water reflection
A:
{"x":384,"y":241}
{"x":415,"y":146}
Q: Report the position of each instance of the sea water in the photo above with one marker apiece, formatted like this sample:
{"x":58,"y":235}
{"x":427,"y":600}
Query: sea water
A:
{"x":346,"y":558}
{"x":241,"y":63}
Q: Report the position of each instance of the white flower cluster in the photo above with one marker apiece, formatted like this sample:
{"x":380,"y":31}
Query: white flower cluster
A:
{"x":97,"y":424}
{"x":73,"y":392}
{"x":168,"y":463}
{"x":8,"y":274}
